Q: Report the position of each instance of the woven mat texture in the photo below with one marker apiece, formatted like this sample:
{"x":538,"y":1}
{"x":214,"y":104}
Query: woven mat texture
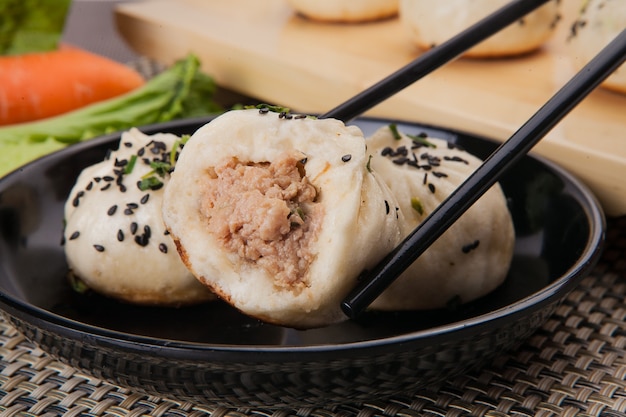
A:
{"x":574,"y":365}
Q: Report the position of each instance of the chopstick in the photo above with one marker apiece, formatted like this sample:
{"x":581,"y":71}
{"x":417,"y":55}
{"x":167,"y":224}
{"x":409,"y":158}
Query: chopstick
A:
{"x":433,"y":59}
{"x":373,"y":283}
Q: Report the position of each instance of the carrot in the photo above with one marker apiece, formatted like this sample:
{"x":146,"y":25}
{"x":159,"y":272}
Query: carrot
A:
{"x":39,"y":85}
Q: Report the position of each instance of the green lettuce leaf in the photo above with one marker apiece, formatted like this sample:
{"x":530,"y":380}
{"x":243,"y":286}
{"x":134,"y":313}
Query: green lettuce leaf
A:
{"x":31,"y":25}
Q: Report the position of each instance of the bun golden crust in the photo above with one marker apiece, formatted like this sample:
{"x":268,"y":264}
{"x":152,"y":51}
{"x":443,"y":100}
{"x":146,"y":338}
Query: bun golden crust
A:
{"x":347,"y":11}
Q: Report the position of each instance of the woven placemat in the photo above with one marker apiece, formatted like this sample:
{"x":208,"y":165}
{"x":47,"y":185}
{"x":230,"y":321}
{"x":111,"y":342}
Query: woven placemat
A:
{"x":574,"y":365}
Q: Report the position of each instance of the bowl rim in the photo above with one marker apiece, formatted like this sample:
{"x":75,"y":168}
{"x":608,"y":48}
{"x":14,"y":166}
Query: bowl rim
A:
{"x":551,"y":293}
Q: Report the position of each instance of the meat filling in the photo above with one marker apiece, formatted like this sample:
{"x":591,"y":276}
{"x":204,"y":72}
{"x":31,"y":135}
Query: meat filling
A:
{"x":265,"y":213}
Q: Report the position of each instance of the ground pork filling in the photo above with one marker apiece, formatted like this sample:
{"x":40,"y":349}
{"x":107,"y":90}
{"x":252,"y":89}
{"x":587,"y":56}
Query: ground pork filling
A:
{"x":266,"y":213}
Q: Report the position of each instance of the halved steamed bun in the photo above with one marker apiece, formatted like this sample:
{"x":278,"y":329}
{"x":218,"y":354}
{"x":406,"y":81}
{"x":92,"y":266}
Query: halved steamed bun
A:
{"x":115,"y":239}
{"x":431,"y":23}
{"x":278,"y":214}
{"x":473,"y":256}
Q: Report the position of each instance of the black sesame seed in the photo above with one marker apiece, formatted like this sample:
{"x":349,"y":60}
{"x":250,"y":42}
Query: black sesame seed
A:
{"x":264,"y":110}
{"x":89,"y":186}
{"x":386,"y":151}
{"x":111,"y":211}
{"x":425,"y":178}
{"x":133,"y":227}
{"x":75,"y":235}
{"x":163,"y":247}
{"x":106,"y":187}
{"x":300,"y":116}
{"x":97,"y":179}
{"x":142,"y":240}
{"x":431,"y":187}
{"x":346,"y":158}
{"x":120,"y":235}
{"x":141,"y":151}
{"x":99,"y":248}
{"x":120,"y":162}
{"x":147,"y":231}
{"x":303,"y":161}
{"x":145,"y":199}
{"x":108,"y":178}
{"x":455,"y":159}
{"x":128,"y":211}
{"x":167,"y":232}
{"x":470,"y":246}
{"x":128,"y":144}
{"x":400,"y":161}
{"x":122,"y":188}
{"x":132,"y":205}
{"x":386,"y":207}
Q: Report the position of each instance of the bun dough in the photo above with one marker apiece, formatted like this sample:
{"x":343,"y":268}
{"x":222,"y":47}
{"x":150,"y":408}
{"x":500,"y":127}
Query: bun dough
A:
{"x":473,"y":256}
{"x":600,"y":21}
{"x":431,"y":23}
{"x":278,"y":214}
{"x":348,"y":11}
{"x":101,"y":249}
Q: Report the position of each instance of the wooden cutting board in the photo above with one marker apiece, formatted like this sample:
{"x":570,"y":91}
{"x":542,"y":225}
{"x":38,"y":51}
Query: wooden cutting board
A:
{"x":264,"y":50}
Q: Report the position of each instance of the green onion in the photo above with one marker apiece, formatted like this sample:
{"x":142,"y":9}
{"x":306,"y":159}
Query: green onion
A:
{"x":150,"y":183}
{"x":417,"y":205}
{"x":131,"y":165}
{"x":394,"y":131}
{"x":421,"y":140}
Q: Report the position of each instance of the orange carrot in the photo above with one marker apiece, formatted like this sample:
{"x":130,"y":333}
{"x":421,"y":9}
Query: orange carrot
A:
{"x":39,"y":85}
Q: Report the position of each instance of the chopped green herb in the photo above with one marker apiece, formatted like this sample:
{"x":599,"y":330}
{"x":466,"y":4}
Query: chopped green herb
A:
{"x":394,"y":131}
{"x":417,"y":205}
{"x":150,"y":183}
{"x":421,"y":140}
{"x":160,"y":168}
{"x":131,"y":165}
{"x":77,"y":284}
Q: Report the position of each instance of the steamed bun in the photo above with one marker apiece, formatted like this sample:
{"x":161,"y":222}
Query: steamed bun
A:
{"x":473,"y":256}
{"x":278,"y":214}
{"x":432,"y":23}
{"x":115,"y":239}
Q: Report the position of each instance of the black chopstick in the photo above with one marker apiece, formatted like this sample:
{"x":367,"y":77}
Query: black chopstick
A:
{"x":373,"y":283}
{"x":433,"y":59}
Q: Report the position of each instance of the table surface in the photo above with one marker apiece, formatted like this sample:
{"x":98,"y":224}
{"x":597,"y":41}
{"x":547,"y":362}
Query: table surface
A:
{"x":574,"y":365}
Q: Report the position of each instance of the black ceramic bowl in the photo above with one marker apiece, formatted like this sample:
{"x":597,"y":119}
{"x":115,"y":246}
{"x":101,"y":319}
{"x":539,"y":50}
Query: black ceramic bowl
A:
{"x":211,"y":354}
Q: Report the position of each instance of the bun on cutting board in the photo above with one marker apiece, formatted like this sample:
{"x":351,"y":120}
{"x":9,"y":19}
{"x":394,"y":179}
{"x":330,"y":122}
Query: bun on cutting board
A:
{"x":598,"y":22}
{"x":347,"y":11}
{"x":431,"y":23}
